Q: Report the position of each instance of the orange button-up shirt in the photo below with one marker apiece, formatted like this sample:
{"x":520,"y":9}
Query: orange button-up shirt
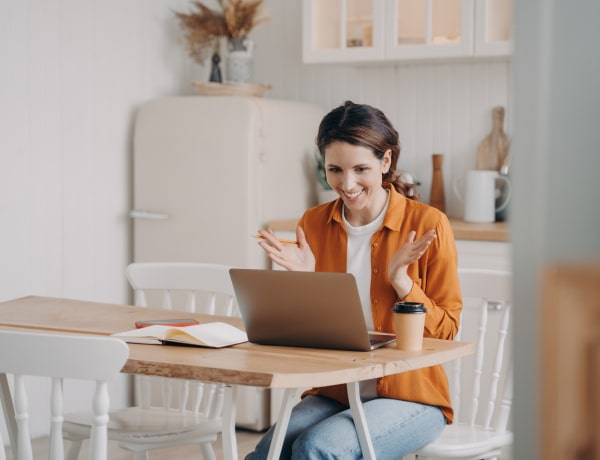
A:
{"x":435,"y":285}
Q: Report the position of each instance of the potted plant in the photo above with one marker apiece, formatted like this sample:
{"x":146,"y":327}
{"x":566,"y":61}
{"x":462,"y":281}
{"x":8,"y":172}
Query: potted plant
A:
{"x":324,"y":191}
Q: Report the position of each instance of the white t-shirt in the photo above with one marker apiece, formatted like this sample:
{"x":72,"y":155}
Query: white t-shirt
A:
{"x":359,"y":264}
{"x":359,"y":258}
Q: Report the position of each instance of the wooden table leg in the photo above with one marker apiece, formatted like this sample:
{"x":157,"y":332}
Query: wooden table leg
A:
{"x":289,"y":399}
{"x":229,"y":439}
{"x":360,"y":421}
{"x":9,"y":413}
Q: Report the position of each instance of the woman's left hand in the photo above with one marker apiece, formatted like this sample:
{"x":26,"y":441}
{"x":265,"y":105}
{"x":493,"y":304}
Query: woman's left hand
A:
{"x":410,"y":252}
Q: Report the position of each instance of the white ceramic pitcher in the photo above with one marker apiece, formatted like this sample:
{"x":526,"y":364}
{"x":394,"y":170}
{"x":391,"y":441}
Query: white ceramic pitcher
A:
{"x":480,"y":195}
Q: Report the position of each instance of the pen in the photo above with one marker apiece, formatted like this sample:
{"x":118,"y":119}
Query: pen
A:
{"x":281,"y":240}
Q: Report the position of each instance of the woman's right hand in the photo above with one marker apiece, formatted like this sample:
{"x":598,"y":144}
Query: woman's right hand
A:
{"x":293,"y":257}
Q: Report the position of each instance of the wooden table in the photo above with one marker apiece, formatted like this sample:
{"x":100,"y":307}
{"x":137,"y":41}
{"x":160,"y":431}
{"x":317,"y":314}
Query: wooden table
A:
{"x":245,"y":364}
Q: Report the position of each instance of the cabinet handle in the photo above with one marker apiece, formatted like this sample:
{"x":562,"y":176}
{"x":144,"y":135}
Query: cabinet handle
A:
{"x":144,"y":214}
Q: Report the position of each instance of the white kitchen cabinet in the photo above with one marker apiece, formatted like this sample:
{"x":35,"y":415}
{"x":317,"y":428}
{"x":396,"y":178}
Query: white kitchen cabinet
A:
{"x":422,"y":29}
{"x":493,"y":27}
{"x":482,"y":245}
{"x":492,"y":255}
{"x":394,"y":30}
{"x":343,"y":30}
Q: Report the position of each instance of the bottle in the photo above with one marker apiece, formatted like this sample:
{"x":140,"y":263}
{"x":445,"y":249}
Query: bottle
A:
{"x":437,"y":197}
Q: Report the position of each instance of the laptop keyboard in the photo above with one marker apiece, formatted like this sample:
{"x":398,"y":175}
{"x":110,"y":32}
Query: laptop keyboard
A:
{"x":380,"y":338}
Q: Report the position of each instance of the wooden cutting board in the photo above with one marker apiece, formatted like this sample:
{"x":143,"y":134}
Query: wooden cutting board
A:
{"x":493,"y":149}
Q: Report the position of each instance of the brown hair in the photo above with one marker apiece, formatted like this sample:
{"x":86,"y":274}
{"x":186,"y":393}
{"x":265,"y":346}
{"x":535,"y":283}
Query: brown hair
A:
{"x":361,"y":124}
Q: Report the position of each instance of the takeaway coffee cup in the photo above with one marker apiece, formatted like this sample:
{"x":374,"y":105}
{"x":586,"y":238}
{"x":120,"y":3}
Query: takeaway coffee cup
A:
{"x":409,"y":323}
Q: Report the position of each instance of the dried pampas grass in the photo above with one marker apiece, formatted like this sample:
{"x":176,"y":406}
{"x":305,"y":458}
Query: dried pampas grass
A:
{"x":241,"y":16}
{"x":204,"y":27}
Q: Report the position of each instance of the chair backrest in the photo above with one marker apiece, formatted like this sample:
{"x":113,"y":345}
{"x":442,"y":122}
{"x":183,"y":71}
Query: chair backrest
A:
{"x":59,"y":357}
{"x":187,"y":286}
{"x":481,"y":384}
{"x":193,"y":287}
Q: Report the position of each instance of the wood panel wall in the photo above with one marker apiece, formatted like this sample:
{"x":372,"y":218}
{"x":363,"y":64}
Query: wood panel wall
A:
{"x":73,"y":74}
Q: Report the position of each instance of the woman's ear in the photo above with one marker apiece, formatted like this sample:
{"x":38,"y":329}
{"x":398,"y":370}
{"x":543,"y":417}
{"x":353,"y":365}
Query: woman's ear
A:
{"x":386,"y":161}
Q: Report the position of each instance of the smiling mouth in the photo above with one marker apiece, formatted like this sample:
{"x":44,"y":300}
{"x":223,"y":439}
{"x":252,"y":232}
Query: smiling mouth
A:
{"x":353,"y":195}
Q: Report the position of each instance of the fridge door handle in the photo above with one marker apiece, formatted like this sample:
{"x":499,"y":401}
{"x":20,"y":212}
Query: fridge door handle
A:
{"x":145,"y":214}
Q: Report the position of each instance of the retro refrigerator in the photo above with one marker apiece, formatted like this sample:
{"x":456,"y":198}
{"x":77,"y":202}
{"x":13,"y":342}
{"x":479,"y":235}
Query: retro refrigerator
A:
{"x":208,"y":172}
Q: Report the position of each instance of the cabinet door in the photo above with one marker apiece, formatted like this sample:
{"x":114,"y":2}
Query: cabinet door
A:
{"x":423,"y":29}
{"x":493,"y":27}
{"x":490,"y":255}
{"x":342,"y":30}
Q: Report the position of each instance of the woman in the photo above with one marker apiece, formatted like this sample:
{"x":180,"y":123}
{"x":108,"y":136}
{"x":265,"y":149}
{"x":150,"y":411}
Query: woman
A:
{"x":398,"y":249}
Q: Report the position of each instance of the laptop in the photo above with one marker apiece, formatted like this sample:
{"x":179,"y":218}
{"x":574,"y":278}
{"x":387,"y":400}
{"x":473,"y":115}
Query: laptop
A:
{"x":303,"y":309}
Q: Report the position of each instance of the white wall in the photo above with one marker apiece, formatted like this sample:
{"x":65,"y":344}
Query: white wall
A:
{"x":72,"y":74}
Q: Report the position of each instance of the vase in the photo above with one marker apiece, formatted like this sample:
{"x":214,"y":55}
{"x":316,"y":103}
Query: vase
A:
{"x":238,"y":63}
{"x":437,"y":197}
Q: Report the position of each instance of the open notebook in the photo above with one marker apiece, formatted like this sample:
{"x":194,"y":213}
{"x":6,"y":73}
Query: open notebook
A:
{"x":213,"y":335}
{"x":303,"y":309}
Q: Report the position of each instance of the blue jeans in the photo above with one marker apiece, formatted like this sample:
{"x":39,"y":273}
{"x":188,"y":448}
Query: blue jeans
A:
{"x":321,"y":428}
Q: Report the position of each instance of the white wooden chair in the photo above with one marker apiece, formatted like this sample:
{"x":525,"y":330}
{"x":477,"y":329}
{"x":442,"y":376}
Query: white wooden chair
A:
{"x":57,"y":357}
{"x":172,"y":412}
{"x":481,"y":384}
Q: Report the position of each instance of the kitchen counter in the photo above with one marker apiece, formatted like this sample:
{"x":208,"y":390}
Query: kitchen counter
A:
{"x":495,"y":231}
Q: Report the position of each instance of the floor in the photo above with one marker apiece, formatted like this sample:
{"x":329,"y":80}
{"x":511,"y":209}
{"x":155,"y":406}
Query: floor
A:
{"x":246,"y":442}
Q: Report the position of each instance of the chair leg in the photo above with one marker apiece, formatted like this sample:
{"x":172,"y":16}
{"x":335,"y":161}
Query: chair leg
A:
{"x":229,"y":439}
{"x":73,"y":449}
{"x":208,"y":452}
{"x":143,"y":455}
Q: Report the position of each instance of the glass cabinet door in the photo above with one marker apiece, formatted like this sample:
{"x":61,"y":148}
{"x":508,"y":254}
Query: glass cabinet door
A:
{"x":493,"y":27}
{"x":342,"y":30}
{"x":378,"y":30}
{"x":429,"y":28}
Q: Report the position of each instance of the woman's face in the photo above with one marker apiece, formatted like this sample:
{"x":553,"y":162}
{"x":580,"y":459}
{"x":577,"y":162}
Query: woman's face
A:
{"x":355,"y":173}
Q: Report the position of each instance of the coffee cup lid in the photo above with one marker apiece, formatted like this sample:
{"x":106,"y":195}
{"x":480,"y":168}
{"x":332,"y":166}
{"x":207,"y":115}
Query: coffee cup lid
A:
{"x":409,"y":307}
